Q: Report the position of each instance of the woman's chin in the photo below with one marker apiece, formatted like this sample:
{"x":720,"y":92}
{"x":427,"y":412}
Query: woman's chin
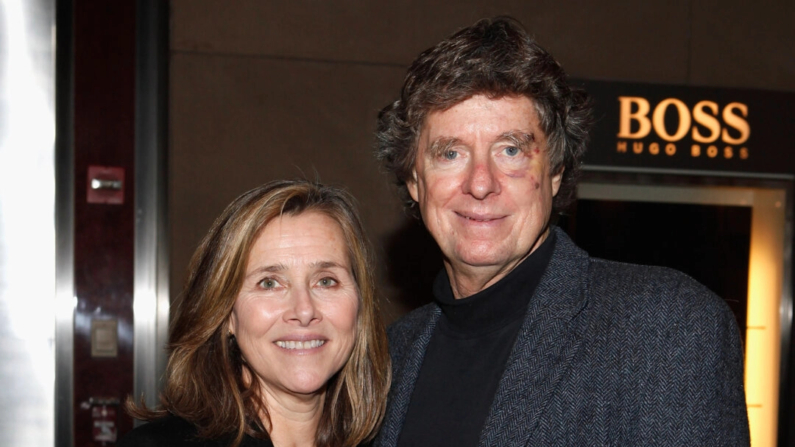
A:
{"x":307,"y":389}
{"x":305,"y":386}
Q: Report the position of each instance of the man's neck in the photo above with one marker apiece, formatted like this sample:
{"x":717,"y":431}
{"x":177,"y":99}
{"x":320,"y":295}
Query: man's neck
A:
{"x":468,"y":281}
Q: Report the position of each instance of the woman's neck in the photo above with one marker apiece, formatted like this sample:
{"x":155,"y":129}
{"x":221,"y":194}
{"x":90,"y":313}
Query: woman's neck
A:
{"x":294,"y":419}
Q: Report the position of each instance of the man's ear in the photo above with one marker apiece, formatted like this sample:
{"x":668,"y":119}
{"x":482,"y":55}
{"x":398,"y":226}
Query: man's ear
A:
{"x":411,"y":185}
{"x":556,"y":180}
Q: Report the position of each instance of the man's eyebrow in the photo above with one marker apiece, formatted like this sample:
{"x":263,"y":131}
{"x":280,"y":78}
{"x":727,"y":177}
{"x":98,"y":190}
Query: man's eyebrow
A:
{"x":519,"y":138}
{"x":441,"y":145}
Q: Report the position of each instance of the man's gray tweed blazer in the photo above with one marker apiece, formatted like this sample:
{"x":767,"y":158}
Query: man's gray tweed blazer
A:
{"x":609,"y":354}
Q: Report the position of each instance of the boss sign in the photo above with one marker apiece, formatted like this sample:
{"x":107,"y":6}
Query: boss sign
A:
{"x":722,"y":130}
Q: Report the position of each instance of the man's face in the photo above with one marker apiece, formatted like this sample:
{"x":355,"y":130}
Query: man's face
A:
{"x":483,"y":183}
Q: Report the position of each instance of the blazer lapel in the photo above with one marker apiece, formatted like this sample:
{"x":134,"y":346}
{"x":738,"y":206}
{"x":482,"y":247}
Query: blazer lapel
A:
{"x":543,"y":351}
{"x":406,"y":368}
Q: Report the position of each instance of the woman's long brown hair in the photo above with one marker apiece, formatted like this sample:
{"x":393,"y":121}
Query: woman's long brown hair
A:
{"x":204,"y":378}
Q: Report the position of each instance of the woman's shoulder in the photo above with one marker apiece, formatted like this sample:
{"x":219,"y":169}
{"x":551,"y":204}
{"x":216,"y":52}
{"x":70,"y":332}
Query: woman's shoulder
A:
{"x":175,"y":431}
{"x":166,"y":431}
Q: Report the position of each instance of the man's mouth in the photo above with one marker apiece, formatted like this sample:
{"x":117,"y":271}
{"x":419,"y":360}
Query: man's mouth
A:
{"x":480,"y":218}
{"x":308,"y":344}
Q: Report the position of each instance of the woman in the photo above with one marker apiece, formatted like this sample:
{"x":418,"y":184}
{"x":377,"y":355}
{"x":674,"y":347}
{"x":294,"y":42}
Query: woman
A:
{"x":277,"y":338}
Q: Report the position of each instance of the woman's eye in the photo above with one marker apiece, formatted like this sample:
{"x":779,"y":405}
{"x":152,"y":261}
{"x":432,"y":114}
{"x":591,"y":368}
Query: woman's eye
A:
{"x":269,"y":283}
{"x":512,"y":151}
{"x":327,"y":282}
{"x":449,"y":155}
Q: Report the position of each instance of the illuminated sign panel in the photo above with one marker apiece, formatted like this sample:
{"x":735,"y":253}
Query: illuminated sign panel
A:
{"x":691,"y":128}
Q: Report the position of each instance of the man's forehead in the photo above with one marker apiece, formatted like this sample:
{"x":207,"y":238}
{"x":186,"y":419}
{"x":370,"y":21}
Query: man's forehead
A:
{"x":478,"y":107}
{"x":467,"y":128}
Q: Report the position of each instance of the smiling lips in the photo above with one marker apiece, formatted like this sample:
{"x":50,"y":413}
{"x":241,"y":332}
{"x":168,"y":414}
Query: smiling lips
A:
{"x":308,"y":344}
{"x":485,"y":218}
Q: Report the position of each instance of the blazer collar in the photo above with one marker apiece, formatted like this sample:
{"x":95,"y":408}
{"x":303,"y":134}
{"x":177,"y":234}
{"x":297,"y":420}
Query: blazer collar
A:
{"x":405,"y":372}
{"x":544,"y":348}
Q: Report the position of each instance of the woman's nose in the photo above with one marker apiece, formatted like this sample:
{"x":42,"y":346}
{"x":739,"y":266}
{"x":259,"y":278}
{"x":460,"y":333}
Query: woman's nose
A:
{"x":304,"y":310}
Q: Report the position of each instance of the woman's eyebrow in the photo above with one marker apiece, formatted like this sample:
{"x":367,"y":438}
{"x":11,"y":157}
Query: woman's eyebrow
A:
{"x":274,"y":268}
{"x":327,"y":265}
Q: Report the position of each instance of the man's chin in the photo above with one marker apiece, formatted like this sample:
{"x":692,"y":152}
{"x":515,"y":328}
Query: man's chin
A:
{"x":486,"y":259}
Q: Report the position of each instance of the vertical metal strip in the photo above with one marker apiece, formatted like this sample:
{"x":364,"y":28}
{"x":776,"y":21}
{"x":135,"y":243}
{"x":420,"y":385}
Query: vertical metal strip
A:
{"x":151,"y":300}
{"x":785,"y":415}
{"x":64,"y":225}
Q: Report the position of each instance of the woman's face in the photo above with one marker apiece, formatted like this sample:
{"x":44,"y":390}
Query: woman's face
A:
{"x":295,"y":316}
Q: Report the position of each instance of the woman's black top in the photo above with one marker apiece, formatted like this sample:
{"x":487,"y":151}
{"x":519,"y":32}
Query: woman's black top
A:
{"x":177,"y":432}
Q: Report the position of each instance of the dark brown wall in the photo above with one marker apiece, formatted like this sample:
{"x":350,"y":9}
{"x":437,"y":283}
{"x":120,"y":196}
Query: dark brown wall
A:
{"x":266,"y":90}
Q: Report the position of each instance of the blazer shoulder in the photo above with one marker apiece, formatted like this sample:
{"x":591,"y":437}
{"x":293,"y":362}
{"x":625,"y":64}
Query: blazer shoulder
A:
{"x":617,"y":290}
{"x":640,"y":287}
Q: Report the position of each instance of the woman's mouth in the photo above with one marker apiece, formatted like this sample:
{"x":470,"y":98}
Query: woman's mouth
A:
{"x":308,"y":344}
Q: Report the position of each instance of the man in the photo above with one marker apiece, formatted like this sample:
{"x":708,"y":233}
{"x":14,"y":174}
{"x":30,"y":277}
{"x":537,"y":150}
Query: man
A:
{"x":530,"y":342}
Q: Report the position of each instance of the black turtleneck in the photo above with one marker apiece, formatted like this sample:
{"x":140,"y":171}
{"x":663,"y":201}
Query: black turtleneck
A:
{"x":466,"y":355}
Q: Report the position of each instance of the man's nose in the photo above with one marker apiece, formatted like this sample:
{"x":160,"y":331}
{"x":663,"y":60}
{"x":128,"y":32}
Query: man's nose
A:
{"x":481,"y":180}
{"x":303,"y":309}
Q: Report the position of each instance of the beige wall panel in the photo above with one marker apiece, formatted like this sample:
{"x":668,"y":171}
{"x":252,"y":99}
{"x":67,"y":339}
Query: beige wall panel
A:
{"x":618,"y":40}
{"x":238,"y":122}
{"x":621,"y":39}
{"x":342,"y":30}
{"x":744,"y":44}
{"x":339,"y":30}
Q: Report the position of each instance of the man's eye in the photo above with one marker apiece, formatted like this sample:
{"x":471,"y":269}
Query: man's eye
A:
{"x":512,"y":151}
{"x":269,"y":283}
{"x":327,"y":282}
{"x":449,"y":155}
